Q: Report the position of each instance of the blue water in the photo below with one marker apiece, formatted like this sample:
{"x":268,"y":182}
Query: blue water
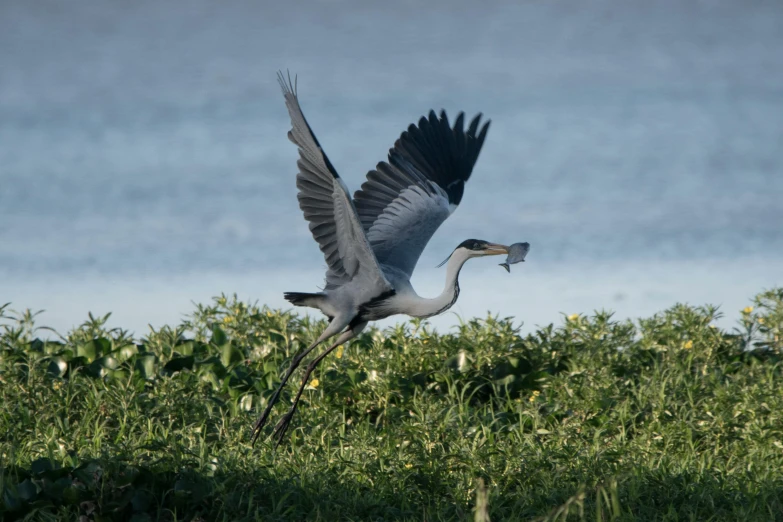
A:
{"x":144,"y":161}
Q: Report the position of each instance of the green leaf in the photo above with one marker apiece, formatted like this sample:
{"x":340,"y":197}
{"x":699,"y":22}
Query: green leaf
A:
{"x":77,"y":362}
{"x":36,"y":345}
{"x":126,"y":477}
{"x":246,"y":403}
{"x":57,"y":367}
{"x":56,"y":489}
{"x":11,"y":500}
{"x":229,"y":354}
{"x":125,"y":352}
{"x":192,"y":490}
{"x":212,"y":371}
{"x":183,"y":486}
{"x":118,"y":375}
{"x":108,"y":362}
{"x":27,"y":490}
{"x":87,"y":350}
{"x":102,"y":346}
{"x":53,"y":347}
{"x":71,"y":495}
{"x":141,"y":500}
{"x":185,"y":348}
{"x":121,"y":502}
{"x":89,"y":472}
{"x":41,"y":465}
{"x":356,"y":377}
{"x":102,"y":366}
{"x":219,"y":337}
{"x":145,"y":365}
{"x":178,"y":364}
{"x":271,"y":381}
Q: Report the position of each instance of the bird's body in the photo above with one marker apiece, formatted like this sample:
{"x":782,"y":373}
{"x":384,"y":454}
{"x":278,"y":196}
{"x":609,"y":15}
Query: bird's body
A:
{"x":372,"y":242}
{"x":398,"y":297}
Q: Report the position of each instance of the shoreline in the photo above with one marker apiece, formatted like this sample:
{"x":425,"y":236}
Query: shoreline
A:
{"x":534,"y":295}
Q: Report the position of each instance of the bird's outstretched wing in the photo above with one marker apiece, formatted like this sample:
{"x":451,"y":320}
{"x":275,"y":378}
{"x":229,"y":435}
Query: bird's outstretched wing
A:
{"x":404,"y":201}
{"x":327,"y":205}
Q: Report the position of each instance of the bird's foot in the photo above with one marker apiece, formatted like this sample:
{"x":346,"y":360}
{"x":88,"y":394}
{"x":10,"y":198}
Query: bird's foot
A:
{"x":282,"y":426}
{"x":260,"y":423}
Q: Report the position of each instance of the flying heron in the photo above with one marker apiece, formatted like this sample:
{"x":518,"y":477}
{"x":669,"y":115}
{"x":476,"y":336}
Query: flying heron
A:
{"x":372,"y":242}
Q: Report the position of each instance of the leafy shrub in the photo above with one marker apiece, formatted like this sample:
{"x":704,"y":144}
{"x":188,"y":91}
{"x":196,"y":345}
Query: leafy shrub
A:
{"x":665,"y":418}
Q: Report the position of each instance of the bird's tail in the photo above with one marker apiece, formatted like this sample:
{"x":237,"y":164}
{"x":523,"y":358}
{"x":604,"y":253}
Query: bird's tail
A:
{"x":304,"y":299}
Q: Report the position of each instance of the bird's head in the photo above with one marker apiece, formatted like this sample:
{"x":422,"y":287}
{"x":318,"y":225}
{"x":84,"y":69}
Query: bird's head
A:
{"x":476,"y":248}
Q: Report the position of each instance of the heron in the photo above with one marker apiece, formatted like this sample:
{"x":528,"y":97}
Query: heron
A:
{"x":372,"y":242}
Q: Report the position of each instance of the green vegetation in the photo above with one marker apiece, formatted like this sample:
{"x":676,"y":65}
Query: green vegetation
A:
{"x":667,"y":418}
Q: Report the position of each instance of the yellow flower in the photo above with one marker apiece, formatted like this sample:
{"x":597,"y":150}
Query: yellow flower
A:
{"x":747,"y":310}
{"x":761,"y":320}
{"x":269,"y":314}
{"x":425,"y":341}
{"x":573,"y":317}
{"x":339,"y":352}
{"x":408,"y":465}
{"x":227,"y":319}
{"x":536,"y":393}
{"x":314,"y":383}
{"x":688,"y":345}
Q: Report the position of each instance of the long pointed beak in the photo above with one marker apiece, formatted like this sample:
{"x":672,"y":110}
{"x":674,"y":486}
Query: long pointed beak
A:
{"x":495,"y":249}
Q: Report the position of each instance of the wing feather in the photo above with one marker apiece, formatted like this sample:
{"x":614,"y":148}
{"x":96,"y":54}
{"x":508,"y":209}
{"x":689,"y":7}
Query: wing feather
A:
{"x":327,"y":205}
{"x":405,"y":200}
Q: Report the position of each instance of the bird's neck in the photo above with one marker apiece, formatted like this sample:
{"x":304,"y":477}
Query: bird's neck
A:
{"x":429,"y":307}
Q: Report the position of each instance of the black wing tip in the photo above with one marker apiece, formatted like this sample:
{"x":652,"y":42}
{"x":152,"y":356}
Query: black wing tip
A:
{"x":432,"y":119}
{"x":429,"y":150}
{"x":459,"y":123}
{"x":455,"y":192}
{"x":474,"y":125}
{"x":449,"y":153}
{"x":484,"y":128}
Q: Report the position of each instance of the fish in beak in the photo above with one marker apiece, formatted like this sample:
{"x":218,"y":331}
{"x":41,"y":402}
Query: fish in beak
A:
{"x":516,"y":254}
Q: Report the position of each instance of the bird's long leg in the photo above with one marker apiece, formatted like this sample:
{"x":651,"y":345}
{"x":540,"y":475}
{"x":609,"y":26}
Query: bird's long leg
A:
{"x":347,"y":335}
{"x":333,"y":328}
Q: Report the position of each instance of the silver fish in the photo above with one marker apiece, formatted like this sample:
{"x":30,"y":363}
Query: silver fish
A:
{"x":516,"y":254}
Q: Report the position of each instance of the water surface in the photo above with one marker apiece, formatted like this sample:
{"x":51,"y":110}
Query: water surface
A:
{"x":144,"y":163}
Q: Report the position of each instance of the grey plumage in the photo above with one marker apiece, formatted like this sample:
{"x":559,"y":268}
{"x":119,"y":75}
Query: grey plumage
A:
{"x":327,"y":205}
{"x":372,"y":242}
{"x":404,"y":201}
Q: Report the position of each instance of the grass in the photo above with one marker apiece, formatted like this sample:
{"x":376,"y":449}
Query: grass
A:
{"x":665,"y":418}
